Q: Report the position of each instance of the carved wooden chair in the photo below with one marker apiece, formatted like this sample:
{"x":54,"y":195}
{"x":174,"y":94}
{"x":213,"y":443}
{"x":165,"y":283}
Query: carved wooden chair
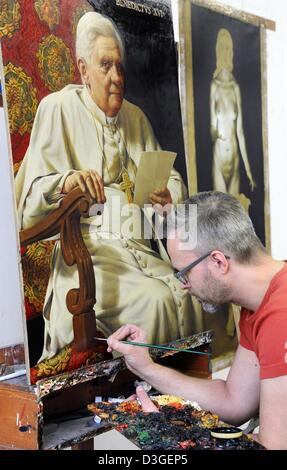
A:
{"x":80,"y":301}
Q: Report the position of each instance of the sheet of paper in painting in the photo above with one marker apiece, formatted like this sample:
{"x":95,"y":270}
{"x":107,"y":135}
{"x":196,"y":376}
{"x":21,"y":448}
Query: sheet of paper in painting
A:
{"x":153,"y":173}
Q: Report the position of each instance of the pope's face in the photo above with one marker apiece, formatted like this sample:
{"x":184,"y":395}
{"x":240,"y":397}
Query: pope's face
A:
{"x":104,"y":75}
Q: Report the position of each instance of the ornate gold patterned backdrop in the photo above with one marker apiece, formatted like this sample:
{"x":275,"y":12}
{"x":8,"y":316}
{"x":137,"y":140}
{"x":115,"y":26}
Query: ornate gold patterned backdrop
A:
{"x":37,"y":38}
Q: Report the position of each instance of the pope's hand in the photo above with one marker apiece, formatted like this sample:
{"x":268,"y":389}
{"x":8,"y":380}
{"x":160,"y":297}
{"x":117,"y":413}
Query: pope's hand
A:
{"x":161,"y":200}
{"x":161,"y":196}
{"x":137,"y":357}
{"x":88,"y":181}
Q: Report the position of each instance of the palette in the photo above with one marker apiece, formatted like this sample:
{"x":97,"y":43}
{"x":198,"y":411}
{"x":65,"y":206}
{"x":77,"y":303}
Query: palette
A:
{"x":179,"y":424}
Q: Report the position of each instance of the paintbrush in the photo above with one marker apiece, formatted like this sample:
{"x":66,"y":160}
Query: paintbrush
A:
{"x":155,"y":346}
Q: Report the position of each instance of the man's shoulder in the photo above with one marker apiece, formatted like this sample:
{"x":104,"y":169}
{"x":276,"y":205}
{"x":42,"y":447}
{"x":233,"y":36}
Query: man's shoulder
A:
{"x":274,"y":304}
{"x":278,"y":284}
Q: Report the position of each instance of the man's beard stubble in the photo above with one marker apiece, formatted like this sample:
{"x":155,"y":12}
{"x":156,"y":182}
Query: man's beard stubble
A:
{"x":218,"y":293}
{"x":209,"y":307}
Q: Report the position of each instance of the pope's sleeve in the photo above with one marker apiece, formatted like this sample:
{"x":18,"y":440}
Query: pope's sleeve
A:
{"x":44,"y":197}
{"x":46,"y":165}
{"x":176,"y":187}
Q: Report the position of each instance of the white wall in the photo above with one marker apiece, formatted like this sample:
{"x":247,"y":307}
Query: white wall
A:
{"x":11,"y":324}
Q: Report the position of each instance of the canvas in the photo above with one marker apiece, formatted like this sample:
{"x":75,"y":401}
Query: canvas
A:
{"x":39,"y":59}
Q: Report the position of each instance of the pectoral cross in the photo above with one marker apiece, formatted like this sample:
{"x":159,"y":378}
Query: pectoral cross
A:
{"x":127,"y":186}
{"x":112,"y":128}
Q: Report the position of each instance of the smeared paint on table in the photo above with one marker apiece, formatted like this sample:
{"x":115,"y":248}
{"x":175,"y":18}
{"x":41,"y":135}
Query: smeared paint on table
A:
{"x":177,"y":427}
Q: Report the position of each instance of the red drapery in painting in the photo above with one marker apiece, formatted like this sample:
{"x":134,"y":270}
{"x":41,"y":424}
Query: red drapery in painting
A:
{"x":37,"y":38}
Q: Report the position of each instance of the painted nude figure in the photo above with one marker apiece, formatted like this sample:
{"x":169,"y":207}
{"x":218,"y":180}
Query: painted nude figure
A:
{"x":226,"y":121}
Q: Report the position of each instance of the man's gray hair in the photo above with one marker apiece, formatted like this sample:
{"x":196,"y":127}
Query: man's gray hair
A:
{"x":90,"y":26}
{"x":222,"y":224}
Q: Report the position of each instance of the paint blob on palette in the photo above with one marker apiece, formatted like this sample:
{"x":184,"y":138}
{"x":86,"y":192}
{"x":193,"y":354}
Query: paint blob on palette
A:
{"x":178,"y":424}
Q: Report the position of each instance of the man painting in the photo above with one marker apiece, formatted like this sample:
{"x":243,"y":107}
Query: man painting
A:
{"x":89,"y":136}
{"x":228,"y":264}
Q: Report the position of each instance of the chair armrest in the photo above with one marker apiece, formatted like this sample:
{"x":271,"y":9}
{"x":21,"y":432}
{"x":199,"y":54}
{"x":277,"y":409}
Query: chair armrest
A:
{"x":66,"y":221}
{"x":76,"y":202}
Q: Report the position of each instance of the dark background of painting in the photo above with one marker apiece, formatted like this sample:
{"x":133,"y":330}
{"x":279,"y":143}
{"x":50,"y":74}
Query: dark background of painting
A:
{"x":247,"y":72}
{"x":151,"y":70}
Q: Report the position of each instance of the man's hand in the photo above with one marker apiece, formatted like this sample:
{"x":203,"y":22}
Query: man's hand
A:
{"x":88,"y":181}
{"x":137,"y":357}
{"x":145,"y":401}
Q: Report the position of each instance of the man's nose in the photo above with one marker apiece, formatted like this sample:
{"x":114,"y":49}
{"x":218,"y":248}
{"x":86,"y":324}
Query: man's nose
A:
{"x":116,"y":75}
{"x":183,"y":285}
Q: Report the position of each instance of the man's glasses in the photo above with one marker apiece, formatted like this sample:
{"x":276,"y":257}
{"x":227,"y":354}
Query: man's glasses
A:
{"x":181,"y":275}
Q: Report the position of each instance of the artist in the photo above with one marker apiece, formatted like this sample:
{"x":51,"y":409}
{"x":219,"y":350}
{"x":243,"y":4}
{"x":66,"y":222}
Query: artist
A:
{"x":235,"y":268}
{"x":89,"y":136}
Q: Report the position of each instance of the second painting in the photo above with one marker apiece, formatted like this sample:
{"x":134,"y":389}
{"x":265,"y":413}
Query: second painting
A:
{"x":223,"y":89}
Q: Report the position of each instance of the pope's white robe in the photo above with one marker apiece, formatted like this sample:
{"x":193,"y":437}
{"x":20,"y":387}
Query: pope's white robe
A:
{"x":133,"y":284}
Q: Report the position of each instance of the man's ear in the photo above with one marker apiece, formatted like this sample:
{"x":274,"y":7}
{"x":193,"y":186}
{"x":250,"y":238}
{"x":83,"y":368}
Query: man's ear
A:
{"x":219,"y":262}
{"x":82,"y":66}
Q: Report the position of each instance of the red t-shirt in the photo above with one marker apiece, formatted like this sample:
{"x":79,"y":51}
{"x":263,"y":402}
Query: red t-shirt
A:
{"x":265,"y":330}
